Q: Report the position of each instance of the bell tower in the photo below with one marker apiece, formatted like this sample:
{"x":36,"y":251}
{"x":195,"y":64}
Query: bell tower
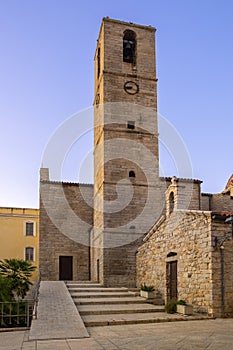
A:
{"x":127,"y":199}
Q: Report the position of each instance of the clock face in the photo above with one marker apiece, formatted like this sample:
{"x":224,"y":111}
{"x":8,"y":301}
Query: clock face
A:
{"x":131,"y":87}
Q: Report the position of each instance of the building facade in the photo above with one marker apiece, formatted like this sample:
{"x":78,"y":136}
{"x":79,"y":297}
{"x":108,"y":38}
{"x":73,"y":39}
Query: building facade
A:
{"x":133,"y":226}
{"x":19,"y":235}
{"x":188,"y":253}
{"x":64,"y":239}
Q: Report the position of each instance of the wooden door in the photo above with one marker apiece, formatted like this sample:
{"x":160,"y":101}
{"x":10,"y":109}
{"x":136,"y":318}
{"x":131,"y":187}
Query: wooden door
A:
{"x":65,"y":268}
{"x":171,"y":280}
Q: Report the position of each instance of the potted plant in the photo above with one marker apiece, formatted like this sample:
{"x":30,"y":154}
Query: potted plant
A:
{"x":171,"y":306}
{"x":183,"y":308}
{"x":147,"y":291}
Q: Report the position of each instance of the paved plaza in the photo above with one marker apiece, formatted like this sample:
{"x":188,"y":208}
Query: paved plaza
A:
{"x":60,"y":327}
{"x":183,"y":335}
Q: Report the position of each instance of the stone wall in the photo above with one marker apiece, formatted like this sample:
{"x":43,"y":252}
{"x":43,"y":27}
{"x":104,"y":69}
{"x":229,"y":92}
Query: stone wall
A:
{"x":188,"y":234}
{"x":217,"y":202}
{"x":222,"y":255}
{"x":191,"y":236}
{"x":221,"y":202}
{"x":66,"y":216}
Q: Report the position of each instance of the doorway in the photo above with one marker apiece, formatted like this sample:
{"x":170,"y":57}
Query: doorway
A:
{"x":171,"y":280}
{"x":65,"y":268}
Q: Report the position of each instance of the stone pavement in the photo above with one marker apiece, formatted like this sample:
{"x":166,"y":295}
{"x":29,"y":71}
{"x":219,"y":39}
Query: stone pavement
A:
{"x":59,"y":327}
{"x":58,"y":317}
{"x":184,"y":335}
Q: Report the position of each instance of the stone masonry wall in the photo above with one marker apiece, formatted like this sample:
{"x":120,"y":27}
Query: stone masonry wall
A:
{"x":217,"y":202}
{"x":118,"y":199}
{"x":221,"y":202}
{"x":191,"y":235}
{"x":66,"y":216}
{"x":223,"y":253}
{"x":187,"y":233}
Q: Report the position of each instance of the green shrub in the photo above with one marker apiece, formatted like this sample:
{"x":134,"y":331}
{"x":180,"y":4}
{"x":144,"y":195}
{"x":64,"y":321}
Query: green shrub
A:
{"x":170,"y":307}
{"x":181,"y":302}
{"x":146,"y":288}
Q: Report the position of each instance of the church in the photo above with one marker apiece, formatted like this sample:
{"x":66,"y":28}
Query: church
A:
{"x":133,"y":226}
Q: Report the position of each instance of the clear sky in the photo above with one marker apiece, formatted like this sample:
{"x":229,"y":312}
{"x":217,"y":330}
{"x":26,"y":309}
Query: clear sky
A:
{"x":46,"y":75}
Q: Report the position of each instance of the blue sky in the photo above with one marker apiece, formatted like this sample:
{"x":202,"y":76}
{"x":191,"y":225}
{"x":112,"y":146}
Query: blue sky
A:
{"x":46,"y":75}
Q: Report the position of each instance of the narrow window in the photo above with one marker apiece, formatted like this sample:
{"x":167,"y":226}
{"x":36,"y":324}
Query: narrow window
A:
{"x":129,"y":47}
{"x":97,"y":100}
{"x":131,"y":125}
{"x":171,"y":202}
{"x":98,"y":62}
{"x":29,"y":229}
{"x":29,"y":254}
{"x":132,"y":174}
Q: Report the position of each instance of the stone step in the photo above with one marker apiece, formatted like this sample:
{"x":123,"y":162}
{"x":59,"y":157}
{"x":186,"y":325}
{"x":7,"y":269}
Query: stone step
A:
{"x":82,"y":285}
{"x":93,"y":289}
{"x":82,"y":282}
{"x":136,"y":318}
{"x":102,"y":294}
{"x":106,"y":301}
{"x":118,"y":309}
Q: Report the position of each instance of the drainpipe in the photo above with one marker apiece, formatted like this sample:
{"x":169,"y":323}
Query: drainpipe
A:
{"x":222,"y":281}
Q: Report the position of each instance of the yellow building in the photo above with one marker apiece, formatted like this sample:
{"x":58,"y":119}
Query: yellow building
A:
{"x":19,"y":235}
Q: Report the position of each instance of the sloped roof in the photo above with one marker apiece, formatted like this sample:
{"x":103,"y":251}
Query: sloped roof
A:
{"x":229,"y":184}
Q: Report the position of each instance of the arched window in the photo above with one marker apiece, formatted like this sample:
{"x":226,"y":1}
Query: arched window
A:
{"x":131,"y":174}
{"x":129,"y":47}
{"x":171,"y":202}
{"x":169,"y":255}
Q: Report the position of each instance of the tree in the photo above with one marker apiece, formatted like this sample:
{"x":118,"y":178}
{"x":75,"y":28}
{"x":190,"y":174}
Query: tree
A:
{"x":17,"y":273}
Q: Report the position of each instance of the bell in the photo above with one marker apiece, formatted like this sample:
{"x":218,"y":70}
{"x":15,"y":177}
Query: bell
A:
{"x":128,"y":46}
{"x":128,"y":51}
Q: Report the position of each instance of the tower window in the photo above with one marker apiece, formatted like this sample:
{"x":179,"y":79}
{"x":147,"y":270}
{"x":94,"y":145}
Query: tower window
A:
{"x":98,"y":62}
{"x":132,"y":174}
{"x":129,"y":46}
{"x":131,"y":125}
{"x":171,"y":202}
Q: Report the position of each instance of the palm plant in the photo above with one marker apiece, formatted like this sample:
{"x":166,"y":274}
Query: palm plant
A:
{"x":17,"y":272}
{"x":5,"y":290}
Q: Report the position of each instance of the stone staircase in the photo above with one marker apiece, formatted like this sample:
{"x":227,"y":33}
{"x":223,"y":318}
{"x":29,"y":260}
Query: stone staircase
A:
{"x":99,"y":306}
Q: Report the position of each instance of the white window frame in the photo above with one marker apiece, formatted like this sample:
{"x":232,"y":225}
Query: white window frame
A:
{"x":34,"y":253}
{"x":34,"y":228}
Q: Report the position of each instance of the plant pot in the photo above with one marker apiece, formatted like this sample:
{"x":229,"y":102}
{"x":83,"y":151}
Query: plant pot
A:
{"x":184,"y":309}
{"x":147,"y":295}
